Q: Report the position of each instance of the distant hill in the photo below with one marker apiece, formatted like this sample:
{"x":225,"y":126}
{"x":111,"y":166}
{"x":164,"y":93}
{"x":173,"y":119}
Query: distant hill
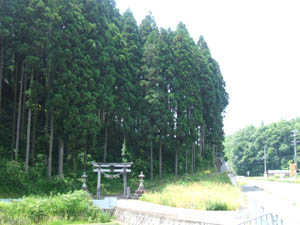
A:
{"x":245,"y":149}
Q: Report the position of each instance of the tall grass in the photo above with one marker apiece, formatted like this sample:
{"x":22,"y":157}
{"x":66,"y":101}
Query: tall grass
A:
{"x":43,"y":210}
{"x":200,"y":191}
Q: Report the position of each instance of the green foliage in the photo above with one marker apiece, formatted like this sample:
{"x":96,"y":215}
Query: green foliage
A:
{"x":12,"y":177}
{"x":245,"y":149}
{"x":97,"y":78}
{"x":216,"y":206}
{"x":14,"y":182}
{"x":36,"y":210}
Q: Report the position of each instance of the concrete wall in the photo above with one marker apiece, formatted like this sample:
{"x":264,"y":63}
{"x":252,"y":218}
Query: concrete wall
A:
{"x":132,"y":217}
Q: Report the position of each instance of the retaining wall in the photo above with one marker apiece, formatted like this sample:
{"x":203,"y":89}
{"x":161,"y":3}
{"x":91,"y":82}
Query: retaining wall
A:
{"x":135,"y":212}
{"x":129,"y":217}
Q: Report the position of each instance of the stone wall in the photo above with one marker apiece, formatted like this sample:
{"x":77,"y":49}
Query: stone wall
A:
{"x":132,"y":217}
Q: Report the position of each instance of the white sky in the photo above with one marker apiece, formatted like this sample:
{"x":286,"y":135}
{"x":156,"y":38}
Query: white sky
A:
{"x":257,"y":44}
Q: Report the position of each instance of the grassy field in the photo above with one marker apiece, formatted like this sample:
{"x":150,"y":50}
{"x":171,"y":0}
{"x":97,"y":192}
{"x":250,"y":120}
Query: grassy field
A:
{"x":204,"y":191}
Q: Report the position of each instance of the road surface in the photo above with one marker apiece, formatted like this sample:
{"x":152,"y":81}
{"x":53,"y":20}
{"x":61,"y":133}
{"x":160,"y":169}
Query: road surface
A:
{"x":280,"y":198}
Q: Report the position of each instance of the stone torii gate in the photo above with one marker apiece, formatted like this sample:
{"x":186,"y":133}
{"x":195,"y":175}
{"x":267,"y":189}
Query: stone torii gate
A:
{"x":118,"y":168}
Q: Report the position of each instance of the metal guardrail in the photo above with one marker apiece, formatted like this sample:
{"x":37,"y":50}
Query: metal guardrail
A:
{"x":264,"y":219}
{"x":260,"y":216}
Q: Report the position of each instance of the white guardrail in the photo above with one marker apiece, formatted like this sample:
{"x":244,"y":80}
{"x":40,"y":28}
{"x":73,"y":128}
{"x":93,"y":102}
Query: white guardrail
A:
{"x":264,"y":219}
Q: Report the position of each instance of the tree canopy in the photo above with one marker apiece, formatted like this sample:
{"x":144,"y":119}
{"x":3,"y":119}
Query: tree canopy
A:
{"x":245,"y":148}
{"x":79,"y":82}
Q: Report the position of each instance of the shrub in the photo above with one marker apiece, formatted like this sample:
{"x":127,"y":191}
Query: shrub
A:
{"x":14,"y":182}
{"x":215,"y":206}
{"x":12,"y":176}
{"x":34,"y":210}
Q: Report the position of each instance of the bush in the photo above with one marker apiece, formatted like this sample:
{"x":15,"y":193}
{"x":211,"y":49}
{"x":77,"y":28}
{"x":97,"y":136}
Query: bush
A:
{"x":32,"y":210}
{"x":216,"y":206}
{"x":14,"y":182}
{"x":12,"y":177}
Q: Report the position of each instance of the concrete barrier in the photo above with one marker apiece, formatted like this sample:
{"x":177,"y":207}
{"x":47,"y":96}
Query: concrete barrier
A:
{"x":136,"y":212}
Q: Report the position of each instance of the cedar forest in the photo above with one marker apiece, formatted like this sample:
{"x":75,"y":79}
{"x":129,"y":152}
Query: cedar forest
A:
{"x":80,"y":82}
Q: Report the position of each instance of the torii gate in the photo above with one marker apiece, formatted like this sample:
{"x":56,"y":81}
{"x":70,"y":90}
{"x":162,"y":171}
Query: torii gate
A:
{"x":118,"y":168}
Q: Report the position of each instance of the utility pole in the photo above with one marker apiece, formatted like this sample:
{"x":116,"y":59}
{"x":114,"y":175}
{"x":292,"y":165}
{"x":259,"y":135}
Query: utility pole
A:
{"x":295,"y":146}
{"x":265,"y":161}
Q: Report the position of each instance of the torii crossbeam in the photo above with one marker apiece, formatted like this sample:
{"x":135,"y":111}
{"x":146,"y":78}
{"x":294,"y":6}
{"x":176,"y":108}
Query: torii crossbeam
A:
{"x":111,"y":167}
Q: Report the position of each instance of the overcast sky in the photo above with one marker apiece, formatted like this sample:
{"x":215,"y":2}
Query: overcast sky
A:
{"x":257,"y":44}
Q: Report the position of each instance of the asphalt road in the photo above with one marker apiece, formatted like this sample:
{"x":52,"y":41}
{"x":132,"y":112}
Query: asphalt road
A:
{"x":280,"y":198}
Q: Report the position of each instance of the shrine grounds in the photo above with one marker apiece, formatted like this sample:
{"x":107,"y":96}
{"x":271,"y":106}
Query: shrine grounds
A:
{"x":206,"y":190}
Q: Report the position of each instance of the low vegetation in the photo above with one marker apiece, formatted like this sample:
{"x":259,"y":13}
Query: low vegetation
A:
{"x":58,"y":209}
{"x":15,"y":183}
{"x":204,"y":191}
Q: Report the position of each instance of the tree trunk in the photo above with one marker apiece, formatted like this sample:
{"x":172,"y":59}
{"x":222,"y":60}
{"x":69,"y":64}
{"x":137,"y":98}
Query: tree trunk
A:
{"x":1,"y":68}
{"x":200,"y":147}
{"x":186,"y":160}
{"x":87,"y":146}
{"x":28,"y":141}
{"x":74,"y":158}
{"x":203,"y":140}
{"x":46,"y":121}
{"x":195,"y":153}
{"x":105,"y":142}
{"x":23,"y":108}
{"x":28,"y":129}
{"x":61,"y":158}
{"x":193,"y":158}
{"x":160,"y":158}
{"x":151,"y":158}
{"x":35,"y":115}
{"x":176,"y":162}
{"x":48,"y":90}
{"x":99,"y":114}
{"x":15,"y":105}
{"x":50,"y":146}
{"x":215,"y":150}
{"x":19,"y":114}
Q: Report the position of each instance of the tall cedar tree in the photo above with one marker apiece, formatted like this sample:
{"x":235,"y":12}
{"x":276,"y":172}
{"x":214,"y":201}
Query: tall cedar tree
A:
{"x":85,"y":79}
